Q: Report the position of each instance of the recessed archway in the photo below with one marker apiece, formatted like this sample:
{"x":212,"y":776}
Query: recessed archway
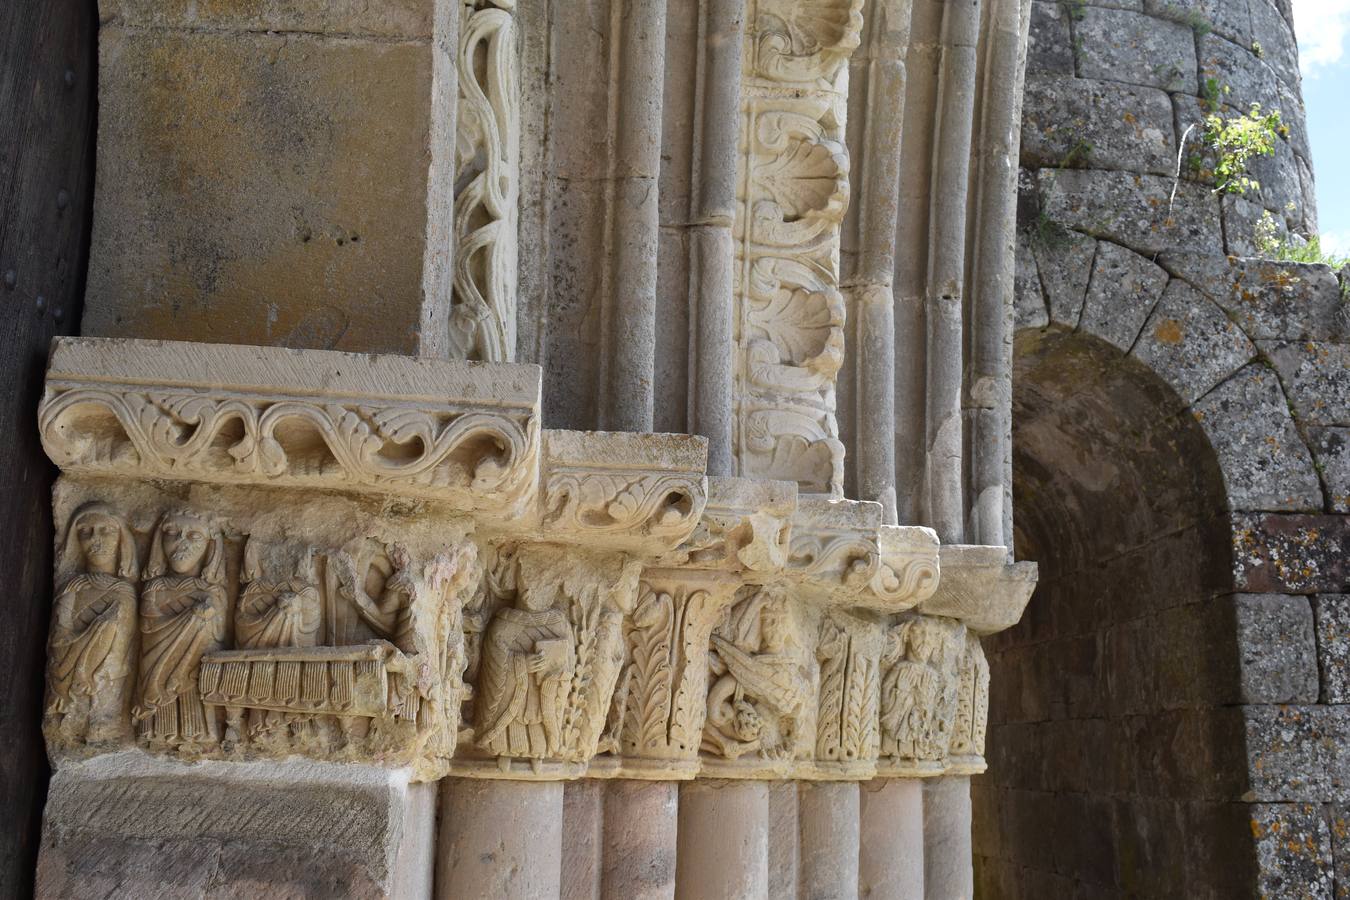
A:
{"x":1115,"y":748}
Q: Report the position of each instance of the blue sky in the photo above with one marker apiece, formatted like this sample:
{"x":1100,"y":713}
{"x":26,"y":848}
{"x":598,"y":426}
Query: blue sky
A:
{"x":1324,"y":55}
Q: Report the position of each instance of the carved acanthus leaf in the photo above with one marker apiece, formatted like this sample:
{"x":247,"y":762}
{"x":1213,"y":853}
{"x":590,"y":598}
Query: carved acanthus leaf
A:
{"x":806,"y":40}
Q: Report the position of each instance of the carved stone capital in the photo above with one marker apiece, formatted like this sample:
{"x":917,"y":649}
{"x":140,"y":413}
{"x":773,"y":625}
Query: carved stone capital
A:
{"x":660,"y":706}
{"x":267,"y":553}
{"x":550,"y":654}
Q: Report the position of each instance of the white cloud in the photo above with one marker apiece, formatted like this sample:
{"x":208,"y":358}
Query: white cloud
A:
{"x":1322,"y":26}
{"x":1335,"y":243}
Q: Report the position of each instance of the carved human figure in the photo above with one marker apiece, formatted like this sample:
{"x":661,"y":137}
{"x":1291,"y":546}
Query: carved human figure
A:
{"x":918,"y":690}
{"x":390,"y":615}
{"x":93,"y":635}
{"x":282,"y":612}
{"x":759,"y":699}
{"x":527,"y":663}
{"x":183,"y":612}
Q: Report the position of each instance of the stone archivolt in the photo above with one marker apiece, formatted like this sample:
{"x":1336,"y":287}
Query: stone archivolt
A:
{"x":631,"y":617}
{"x":793,"y":192}
{"x":487,"y":178}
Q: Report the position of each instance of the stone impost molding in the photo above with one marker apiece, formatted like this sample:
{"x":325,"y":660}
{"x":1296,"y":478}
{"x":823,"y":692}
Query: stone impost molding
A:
{"x":383,"y":560}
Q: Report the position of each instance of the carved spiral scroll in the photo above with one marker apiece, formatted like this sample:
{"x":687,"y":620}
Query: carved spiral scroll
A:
{"x":236,"y":439}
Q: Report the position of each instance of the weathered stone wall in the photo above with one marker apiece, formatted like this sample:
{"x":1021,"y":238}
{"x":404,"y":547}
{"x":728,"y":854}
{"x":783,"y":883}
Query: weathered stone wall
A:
{"x":1117,"y":91}
{"x":1180,"y":674}
{"x":263,"y":173}
{"x":1167,"y":719}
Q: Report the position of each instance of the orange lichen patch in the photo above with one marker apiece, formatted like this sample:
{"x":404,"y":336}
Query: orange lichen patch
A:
{"x":1169,"y":331}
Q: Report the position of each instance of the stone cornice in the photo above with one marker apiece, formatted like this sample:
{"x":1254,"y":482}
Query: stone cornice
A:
{"x":464,"y":434}
{"x":387,"y":560}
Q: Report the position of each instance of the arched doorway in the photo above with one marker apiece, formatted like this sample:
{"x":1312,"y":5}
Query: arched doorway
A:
{"x":1116,"y":747}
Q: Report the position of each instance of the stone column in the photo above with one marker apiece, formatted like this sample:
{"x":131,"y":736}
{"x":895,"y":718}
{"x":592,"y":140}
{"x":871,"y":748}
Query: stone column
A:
{"x":988,"y":392}
{"x":784,"y":839}
{"x":630,"y":325}
{"x":827,"y":817}
{"x":912,"y":218}
{"x":712,"y":207}
{"x":583,"y":819}
{"x":723,"y":840}
{"x":499,"y":839}
{"x":946,"y":269}
{"x":640,"y":824}
{"x":890,"y":855}
{"x":876,"y":112}
{"x":948,"y":870}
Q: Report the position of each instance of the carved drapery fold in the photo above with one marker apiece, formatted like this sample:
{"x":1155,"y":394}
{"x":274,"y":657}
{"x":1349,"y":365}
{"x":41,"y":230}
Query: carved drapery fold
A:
{"x":615,"y":613}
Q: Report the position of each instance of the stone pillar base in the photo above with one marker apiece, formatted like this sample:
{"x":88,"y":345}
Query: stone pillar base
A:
{"x":132,"y":825}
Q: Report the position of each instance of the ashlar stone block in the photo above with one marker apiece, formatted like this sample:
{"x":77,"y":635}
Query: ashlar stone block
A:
{"x":1123,"y":291}
{"x":1120,"y":45}
{"x":128,"y":824}
{"x":1332,"y":613}
{"x":259,"y":186}
{"x":1100,"y":124}
{"x":1265,"y":463}
{"x":1277,"y":654}
{"x":1136,"y":211}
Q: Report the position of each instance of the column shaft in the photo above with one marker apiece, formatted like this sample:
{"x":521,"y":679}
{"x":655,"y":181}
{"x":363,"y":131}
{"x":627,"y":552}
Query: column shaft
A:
{"x":499,"y":839}
{"x":828,"y":820}
{"x":626,"y":392}
{"x":913,"y":213}
{"x":583,"y":822}
{"x":723,"y":841}
{"x":640,"y":829}
{"x":990,"y":300}
{"x":946,"y":268}
{"x":890,"y":857}
{"x":948,"y":866}
{"x":784,"y":839}
{"x":876,"y":114}
{"x":712,"y":207}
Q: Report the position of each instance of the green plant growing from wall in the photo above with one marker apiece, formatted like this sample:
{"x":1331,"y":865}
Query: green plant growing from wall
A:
{"x":1075,"y":9}
{"x":1080,"y":154}
{"x":1191,"y":18}
{"x":1045,"y":232}
{"x":1235,"y":141}
{"x":1211,"y":93}
{"x":1270,"y":244}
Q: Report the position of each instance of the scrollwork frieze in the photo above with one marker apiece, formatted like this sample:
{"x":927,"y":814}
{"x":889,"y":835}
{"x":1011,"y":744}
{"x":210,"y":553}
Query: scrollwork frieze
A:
{"x":227,"y":421}
{"x":639,"y":492}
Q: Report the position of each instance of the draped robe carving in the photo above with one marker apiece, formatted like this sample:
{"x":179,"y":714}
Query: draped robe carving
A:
{"x":526,"y":667}
{"x":183,"y":613}
{"x":274,"y":613}
{"x":93,"y":634}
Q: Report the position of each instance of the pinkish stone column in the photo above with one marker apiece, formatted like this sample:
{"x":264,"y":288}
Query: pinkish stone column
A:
{"x":723,"y":840}
{"x":827,"y":820}
{"x":890,"y":850}
{"x":499,"y":839}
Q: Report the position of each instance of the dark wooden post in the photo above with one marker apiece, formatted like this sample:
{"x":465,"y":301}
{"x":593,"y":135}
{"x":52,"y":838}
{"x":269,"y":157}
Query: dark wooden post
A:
{"x":47,"y":68}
